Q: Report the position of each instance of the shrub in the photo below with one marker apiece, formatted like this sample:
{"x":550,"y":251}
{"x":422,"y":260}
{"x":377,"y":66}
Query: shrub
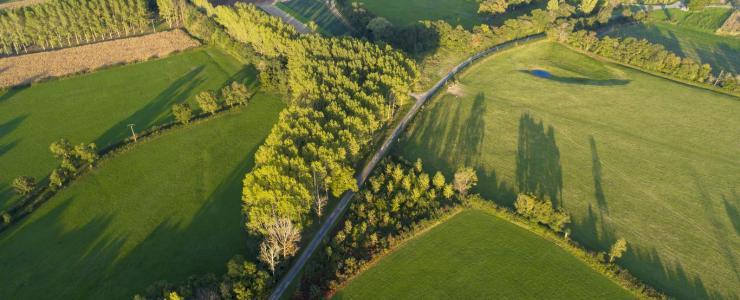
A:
{"x":24,"y":185}
{"x":183,"y":113}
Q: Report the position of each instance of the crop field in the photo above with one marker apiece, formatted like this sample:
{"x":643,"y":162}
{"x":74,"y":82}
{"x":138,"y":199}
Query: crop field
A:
{"x":475,"y":255}
{"x":97,"y":107}
{"x":34,"y":67}
{"x":166,"y":209}
{"x":317,"y":11}
{"x":691,"y":36}
{"x":626,"y":153}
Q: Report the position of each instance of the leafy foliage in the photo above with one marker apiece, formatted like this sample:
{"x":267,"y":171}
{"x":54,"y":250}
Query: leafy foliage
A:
{"x":63,"y":23}
{"x":542,"y":212}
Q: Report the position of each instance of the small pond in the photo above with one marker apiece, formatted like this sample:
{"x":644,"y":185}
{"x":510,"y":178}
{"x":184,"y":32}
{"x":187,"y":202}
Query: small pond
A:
{"x":541,"y":73}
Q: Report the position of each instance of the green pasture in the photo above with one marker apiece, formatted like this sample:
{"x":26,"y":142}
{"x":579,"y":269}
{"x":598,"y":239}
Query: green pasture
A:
{"x":626,"y":153}
{"x":455,"y":12}
{"x":166,"y":209}
{"x":691,"y":36}
{"x":317,"y":11}
{"x":97,"y":107}
{"x":475,"y":255}
{"x":708,"y":19}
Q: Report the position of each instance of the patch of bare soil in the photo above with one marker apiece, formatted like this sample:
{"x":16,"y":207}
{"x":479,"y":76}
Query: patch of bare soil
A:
{"x":25,"y":69}
{"x":731,"y":25}
{"x":456,"y":89}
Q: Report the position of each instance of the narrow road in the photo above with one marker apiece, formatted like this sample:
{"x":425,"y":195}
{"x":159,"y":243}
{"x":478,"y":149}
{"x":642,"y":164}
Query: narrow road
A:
{"x":421,"y":99}
{"x":270,"y":8}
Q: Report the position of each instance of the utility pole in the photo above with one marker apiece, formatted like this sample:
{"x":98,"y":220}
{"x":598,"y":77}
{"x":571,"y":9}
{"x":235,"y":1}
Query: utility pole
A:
{"x":133,"y":134}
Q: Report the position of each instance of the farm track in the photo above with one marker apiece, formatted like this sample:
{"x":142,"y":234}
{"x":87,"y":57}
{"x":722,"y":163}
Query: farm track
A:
{"x":421,"y":99}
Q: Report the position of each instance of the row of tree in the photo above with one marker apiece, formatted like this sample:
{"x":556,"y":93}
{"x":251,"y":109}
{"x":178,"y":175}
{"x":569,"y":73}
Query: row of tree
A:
{"x":493,"y":7}
{"x":64,"y":23}
{"x":646,"y":55}
{"x":397,"y":198}
{"x":231,"y":95}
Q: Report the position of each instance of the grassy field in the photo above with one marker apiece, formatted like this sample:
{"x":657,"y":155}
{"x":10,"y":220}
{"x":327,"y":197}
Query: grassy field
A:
{"x":628,"y":154}
{"x":97,"y":107}
{"x":167,"y":209}
{"x":317,"y":11}
{"x":455,"y":12}
{"x":475,"y":255}
{"x":690,"y":34}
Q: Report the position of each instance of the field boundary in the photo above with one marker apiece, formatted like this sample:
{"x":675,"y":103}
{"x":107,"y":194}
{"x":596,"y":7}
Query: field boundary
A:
{"x":44,"y":193}
{"x":709,"y":87}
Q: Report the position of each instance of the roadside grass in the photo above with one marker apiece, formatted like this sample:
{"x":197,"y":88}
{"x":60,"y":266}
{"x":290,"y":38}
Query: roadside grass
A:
{"x":691,"y":37}
{"x":455,"y":12}
{"x":166,"y":209}
{"x":476,"y":255}
{"x":626,"y":153}
{"x":317,"y":11}
{"x":97,"y":107}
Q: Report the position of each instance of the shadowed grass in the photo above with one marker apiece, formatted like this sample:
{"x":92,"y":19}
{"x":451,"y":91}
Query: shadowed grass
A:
{"x":475,"y":255}
{"x":317,"y":11}
{"x":164,"y":210}
{"x":97,"y":107}
{"x":649,"y":160}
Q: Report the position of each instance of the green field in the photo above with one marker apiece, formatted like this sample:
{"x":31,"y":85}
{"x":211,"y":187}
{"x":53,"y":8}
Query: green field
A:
{"x":167,"y":209}
{"x":692,"y":35}
{"x":455,"y":12}
{"x":317,"y":11}
{"x":628,"y":154}
{"x":96,"y":107}
{"x":475,"y":255}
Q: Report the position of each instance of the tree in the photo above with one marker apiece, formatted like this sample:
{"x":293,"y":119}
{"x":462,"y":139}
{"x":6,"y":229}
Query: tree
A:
{"x":57,"y":178}
{"x":183,"y":113}
{"x":87,"y":153}
{"x":493,"y":6}
{"x":553,"y":5}
{"x":174,"y":296}
{"x":617,"y":250}
{"x":270,"y":254}
{"x":61,"y":149}
{"x":286,"y":235}
{"x":381,"y":28}
{"x":587,"y":6}
{"x":6,"y":217}
{"x":312,"y":26}
{"x":235,"y":94}
{"x":465,"y":179}
{"x":438,"y":180}
{"x":207,"y":102}
{"x":24,"y":185}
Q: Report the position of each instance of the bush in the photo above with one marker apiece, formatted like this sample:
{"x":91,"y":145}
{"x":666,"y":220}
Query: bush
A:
{"x":24,"y":185}
{"x":183,"y":113}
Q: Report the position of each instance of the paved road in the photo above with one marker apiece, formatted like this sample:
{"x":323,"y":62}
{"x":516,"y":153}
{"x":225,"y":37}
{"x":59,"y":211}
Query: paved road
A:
{"x":297,"y":266}
{"x":270,"y":8}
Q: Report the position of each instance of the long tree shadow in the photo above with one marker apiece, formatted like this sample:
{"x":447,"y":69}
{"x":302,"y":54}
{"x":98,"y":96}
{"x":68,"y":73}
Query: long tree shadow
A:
{"x":10,"y":125}
{"x":152,"y":113}
{"x":538,"y":169}
{"x":596,"y":172}
{"x":731,"y":208}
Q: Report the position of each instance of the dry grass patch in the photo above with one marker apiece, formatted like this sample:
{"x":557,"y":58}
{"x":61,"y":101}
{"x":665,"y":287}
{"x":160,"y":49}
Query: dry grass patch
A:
{"x":456,"y":89}
{"x":30,"y":68}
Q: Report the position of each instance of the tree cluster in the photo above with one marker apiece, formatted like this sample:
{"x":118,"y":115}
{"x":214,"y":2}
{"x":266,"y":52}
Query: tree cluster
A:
{"x":498,"y":6}
{"x":395,"y":200}
{"x":243,"y":280}
{"x":71,"y":158}
{"x":646,"y":55}
{"x":542,"y":212}
{"x":64,"y":23}
{"x":340,"y":92}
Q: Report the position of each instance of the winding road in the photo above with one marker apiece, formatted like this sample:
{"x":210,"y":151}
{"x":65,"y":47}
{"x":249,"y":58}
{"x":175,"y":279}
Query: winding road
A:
{"x":421,"y":99}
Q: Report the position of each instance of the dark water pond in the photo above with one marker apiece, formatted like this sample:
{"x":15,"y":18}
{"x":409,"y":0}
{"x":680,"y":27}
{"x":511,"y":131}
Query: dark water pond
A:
{"x":541,"y":73}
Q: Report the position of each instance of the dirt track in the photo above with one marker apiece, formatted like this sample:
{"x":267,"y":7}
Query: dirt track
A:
{"x":30,"y":68}
{"x":15,"y":4}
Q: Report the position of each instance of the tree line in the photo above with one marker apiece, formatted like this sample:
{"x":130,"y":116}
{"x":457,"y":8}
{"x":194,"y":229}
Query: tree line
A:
{"x":341,"y":92}
{"x":64,"y":23}
{"x":648,"y":56}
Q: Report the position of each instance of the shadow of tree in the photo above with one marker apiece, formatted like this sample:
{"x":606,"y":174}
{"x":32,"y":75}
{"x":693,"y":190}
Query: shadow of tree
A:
{"x":10,"y":125}
{"x":732,"y":211}
{"x":148,"y":115}
{"x":596,"y":172}
{"x":538,"y":169}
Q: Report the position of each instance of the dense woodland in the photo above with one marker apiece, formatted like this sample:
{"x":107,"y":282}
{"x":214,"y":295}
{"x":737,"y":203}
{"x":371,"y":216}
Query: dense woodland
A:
{"x":64,"y":23}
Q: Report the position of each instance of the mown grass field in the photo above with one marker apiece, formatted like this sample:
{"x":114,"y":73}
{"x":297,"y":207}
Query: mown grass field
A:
{"x":475,"y":255}
{"x":317,"y":11}
{"x":97,"y":107}
{"x":455,"y":12}
{"x":626,"y":153}
{"x":166,"y":209}
{"x":690,"y":34}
